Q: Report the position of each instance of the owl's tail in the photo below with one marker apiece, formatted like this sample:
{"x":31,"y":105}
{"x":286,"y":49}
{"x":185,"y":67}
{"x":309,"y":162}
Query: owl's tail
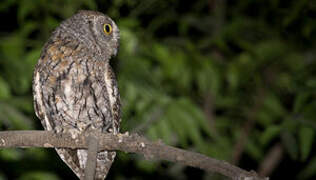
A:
{"x":77,"y":159}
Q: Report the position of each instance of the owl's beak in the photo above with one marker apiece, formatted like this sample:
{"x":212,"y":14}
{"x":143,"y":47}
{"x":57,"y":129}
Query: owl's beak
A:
{"x":115,"y":52}
{"x":116,"y":49}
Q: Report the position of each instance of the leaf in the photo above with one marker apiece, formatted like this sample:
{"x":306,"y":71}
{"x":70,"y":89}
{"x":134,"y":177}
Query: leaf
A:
{"x":11,"y":154}
{"x":32,"y":57}
{"x":295,"y":10}
{"x":12,"y":47}
{"x":152,"y":133}
{"x":147,"y":166}
{"x":25,"y":104}
{"x":306,"y":138}
{"x":25,"y":8}
{"x":290,"y":144}
{"x":13,"y":118}
{"x":233,"y":77}
{"x":300,"y":101}
{"x":274,"y":105}
{"x":309,"y":170}
{"x":129,"y":41}
{"x":270,"y":133}
{"x":28,"y":28}
{"x":90,"y":4}
{"x":311,"y":83}
{"x":199,"y":117}
{"x":38,"y":175}
{"x":36,"y":153}
{"x":269,"y":51}
{"x":2,"y":176}
{"x":272,"y":110}
{"x":4,"y":89}
{"x":165,"y":131}
{"x":208,"y":77}
{"x":176,"y":123}
{"x":254,"y":150}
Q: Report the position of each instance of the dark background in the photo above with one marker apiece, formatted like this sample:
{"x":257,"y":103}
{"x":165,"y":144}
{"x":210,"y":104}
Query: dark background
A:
{"x":235,"y":80}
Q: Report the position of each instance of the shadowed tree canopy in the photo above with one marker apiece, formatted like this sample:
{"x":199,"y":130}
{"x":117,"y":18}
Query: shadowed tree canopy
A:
{"x":234,"y":80}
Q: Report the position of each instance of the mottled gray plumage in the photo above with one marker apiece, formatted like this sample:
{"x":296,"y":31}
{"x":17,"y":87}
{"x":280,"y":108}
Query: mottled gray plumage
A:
{"x":74,"y":87}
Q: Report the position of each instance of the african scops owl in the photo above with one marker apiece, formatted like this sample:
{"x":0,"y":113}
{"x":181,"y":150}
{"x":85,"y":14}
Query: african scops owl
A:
{"x":75,"y":88}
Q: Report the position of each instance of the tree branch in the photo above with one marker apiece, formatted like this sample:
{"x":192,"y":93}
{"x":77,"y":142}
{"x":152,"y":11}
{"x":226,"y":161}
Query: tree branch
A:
{"x":92,"y":157}
{"x":127,"y":143}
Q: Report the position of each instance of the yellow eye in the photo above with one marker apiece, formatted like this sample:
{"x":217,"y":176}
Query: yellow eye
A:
{"x":107,"y":28}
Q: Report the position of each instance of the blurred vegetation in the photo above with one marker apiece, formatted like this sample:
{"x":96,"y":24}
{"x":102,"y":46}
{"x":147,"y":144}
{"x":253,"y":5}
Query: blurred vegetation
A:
{"x":230,"y":79}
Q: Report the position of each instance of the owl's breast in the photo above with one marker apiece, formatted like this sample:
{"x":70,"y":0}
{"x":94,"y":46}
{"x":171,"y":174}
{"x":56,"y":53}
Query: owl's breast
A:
{"x":83,"y":96}
{"x":73,"y":91}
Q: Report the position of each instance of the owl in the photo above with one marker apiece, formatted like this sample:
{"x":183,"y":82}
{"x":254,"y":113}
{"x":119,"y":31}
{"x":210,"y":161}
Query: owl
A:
{"x":74,"y":87}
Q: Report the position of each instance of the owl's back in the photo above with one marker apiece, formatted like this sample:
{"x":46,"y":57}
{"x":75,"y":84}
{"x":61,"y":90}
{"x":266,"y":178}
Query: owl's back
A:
{"x":73,"y":93}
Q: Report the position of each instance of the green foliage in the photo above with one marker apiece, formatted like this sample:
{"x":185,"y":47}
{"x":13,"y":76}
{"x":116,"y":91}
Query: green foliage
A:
{"x":200,"y":75}
{"x":4,"y":89}
{"x":309,"y":170}
{"x":38,"y":176}
{"x":306,"y":137}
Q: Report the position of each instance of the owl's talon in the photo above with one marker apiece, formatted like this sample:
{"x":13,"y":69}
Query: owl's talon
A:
{"x":74,"y":133}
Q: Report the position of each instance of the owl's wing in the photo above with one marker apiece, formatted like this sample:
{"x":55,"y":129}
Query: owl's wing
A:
{"x":114,"y":97}
{"x":44,"y":89}
{"x":70,"y":97}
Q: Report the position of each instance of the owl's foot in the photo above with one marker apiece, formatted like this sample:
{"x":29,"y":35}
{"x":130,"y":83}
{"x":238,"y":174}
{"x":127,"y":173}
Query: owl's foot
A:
{"x":74,"y":133}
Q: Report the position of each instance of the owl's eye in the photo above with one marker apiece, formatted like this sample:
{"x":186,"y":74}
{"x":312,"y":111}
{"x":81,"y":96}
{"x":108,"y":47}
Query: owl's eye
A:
{"x":107,"y":28}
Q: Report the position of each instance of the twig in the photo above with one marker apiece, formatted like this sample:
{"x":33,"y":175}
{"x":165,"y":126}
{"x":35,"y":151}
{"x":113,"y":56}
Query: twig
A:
{"x":271,"y":160}
{"x":242,"y":140}
{"x":92,"y":157}
{"x":208,"y":108}
{"x":127,"y":143}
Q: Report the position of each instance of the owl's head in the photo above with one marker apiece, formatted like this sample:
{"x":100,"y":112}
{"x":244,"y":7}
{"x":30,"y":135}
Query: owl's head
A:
{"x":95,"y":30}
